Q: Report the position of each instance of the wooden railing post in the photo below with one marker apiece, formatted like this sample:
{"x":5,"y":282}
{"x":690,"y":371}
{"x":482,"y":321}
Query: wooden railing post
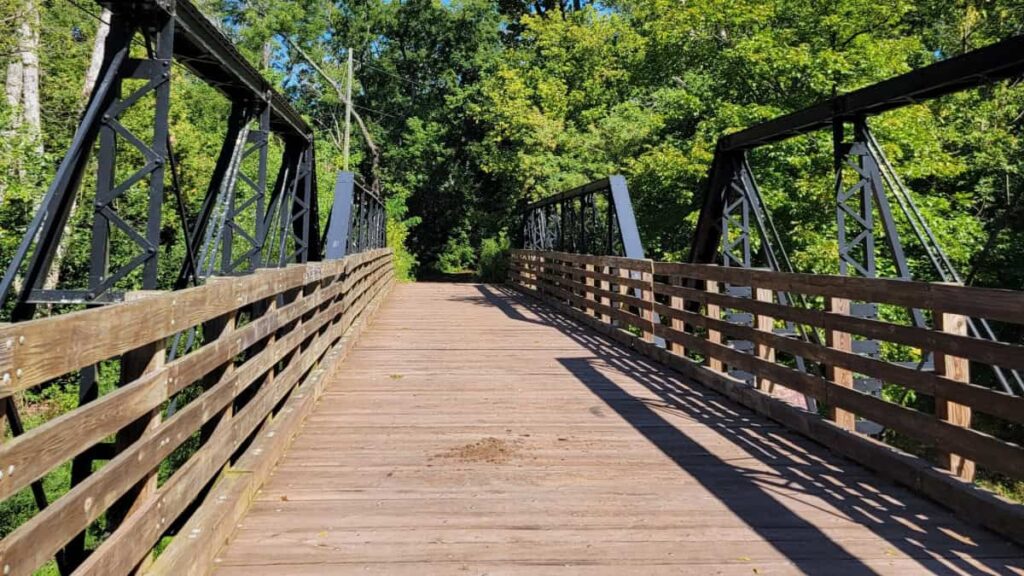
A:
{"x":219,"y":327}
{"x":843,"y":342}
{"x":647,"y":295}
{"x":623,"y":290}
{"x":677,"y":303}
{"x":713,"y":311}
{"x":543,"y":276}
{"x":607,"y":301}
{"x":764,"y":323}
{"x":958,"y":369}
{"x":589,"y":294}
{"x":579,"y":282}
{"x":134,"y":365}
{"x":539,"y":271}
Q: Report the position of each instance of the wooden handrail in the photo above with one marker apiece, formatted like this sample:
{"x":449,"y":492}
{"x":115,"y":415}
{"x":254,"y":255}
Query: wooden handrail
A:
{"x":619,"y":296}
{"x":263,"y":334}
{"x":991,"y":303}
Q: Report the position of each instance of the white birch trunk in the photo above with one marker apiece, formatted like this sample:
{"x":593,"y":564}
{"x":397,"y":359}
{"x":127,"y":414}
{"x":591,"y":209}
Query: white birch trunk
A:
{"x":91,"y":77}
{"x":30,"y":63}
{"x":12,"y":89}
{"x":98,"y":47}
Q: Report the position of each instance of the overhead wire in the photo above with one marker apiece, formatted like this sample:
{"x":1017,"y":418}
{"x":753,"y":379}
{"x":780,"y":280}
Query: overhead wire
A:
{"x":392,"y":74}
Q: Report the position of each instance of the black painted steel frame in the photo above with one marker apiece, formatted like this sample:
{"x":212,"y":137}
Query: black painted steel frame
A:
{"x":239,"y":227}
{"x":596,"y":218}
{"x":181,"y":34}
{"x":369,"y":222}
{"x":864,"y":185}
{"x":358,"y":220}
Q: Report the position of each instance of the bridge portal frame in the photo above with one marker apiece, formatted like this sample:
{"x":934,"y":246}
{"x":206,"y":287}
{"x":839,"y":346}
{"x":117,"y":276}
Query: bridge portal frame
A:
{"x":724,"y":226}
{"x":173,"y":32}
{"x":240,"y":227}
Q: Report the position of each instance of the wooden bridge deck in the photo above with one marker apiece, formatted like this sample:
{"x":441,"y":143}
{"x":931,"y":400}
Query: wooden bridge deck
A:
{"x":473,"y":431}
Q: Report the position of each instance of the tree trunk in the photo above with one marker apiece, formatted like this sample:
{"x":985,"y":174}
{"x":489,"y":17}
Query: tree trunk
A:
{"x":30,"y":72}
{"x":98,"y":45}
{"x":91,"y":77}
{"x":12,"y":88}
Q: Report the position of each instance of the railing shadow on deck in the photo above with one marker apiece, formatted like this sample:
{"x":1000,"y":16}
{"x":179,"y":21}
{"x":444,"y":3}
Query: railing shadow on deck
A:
{"x":755,"y":496}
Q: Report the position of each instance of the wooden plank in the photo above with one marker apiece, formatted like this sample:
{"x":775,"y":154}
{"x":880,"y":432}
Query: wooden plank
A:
{"x":968,"y":501}
{"x":87,"y":337}
{"x":992,"y":452}
{"x":981,"y":398}
{"x":606,"y":463}
{"x":714,"y":336}
{"x":627,"y":280}
{"x":764,"y":323}
{"x":590,"y":282}
{"x":995,"y":453}
{"x":46,"y":446}
{"x":216,"y":520}
{"x":134,"y":365}
{"x":676,"y":323}
{"x":37,"y":539}
{"x":997,"y":353}
{"x":843,"y":342}
{"x":646,"y":295}
{"x":126,"y":545}
{"x":1004,"y":305}
{"x":957,"y":369}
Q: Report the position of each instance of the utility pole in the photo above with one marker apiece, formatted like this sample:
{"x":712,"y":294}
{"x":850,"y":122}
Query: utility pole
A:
{"x":348,"y":107}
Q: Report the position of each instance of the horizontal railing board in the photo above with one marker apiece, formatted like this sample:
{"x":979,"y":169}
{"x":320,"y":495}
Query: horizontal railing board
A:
{"x":989,"y":451}
{"x":986,"y":351}
{"x":217,"y":516}
{"x":968,"y":500}
{"x":97,"y":334}
{"x":1002,"y":305}
{"x":992,"y":303}
{"x":52,"y":443}
{"x":983,"y":399}
{"x":83,"y":424}
{"x":331,"y":294}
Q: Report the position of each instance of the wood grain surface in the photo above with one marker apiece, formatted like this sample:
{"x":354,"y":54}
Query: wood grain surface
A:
{"x":473,"y":430}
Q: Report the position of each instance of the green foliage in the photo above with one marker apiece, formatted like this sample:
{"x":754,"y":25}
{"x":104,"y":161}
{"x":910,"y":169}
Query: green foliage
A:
{"x":479,"y":106}
{"x":397,"y":238}
{"x":493,"y":264}
{"x":458,"y":255}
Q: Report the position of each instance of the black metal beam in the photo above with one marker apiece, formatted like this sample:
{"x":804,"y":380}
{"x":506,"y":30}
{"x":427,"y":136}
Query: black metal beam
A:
{"x":595,"y":186}
{"x":209,"y":54}
{"x":976,"y":68}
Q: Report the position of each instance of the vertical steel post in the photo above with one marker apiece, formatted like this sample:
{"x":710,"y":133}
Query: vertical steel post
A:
{"x":340,"y":226}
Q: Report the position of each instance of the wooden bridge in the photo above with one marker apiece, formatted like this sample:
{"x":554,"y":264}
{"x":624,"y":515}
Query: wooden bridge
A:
{"x":280,"y":406}
{"x":342,"y":424}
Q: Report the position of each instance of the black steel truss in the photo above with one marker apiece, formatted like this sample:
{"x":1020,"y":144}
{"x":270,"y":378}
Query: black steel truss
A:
{"x":236,"y":200}
{"x":240,"y":226}
{"x":999,"y":61}
{"x":596,"y":218}
{"x":358,"y":219}
{"x":735,"y":226}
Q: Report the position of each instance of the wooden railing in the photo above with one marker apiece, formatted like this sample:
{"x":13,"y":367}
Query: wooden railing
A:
{"x":262,"y":346}
{"x":680,"y":314}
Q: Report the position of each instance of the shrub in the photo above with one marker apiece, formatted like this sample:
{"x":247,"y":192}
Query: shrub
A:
{"x":493,"y":263}
{"x":458,"y":255}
